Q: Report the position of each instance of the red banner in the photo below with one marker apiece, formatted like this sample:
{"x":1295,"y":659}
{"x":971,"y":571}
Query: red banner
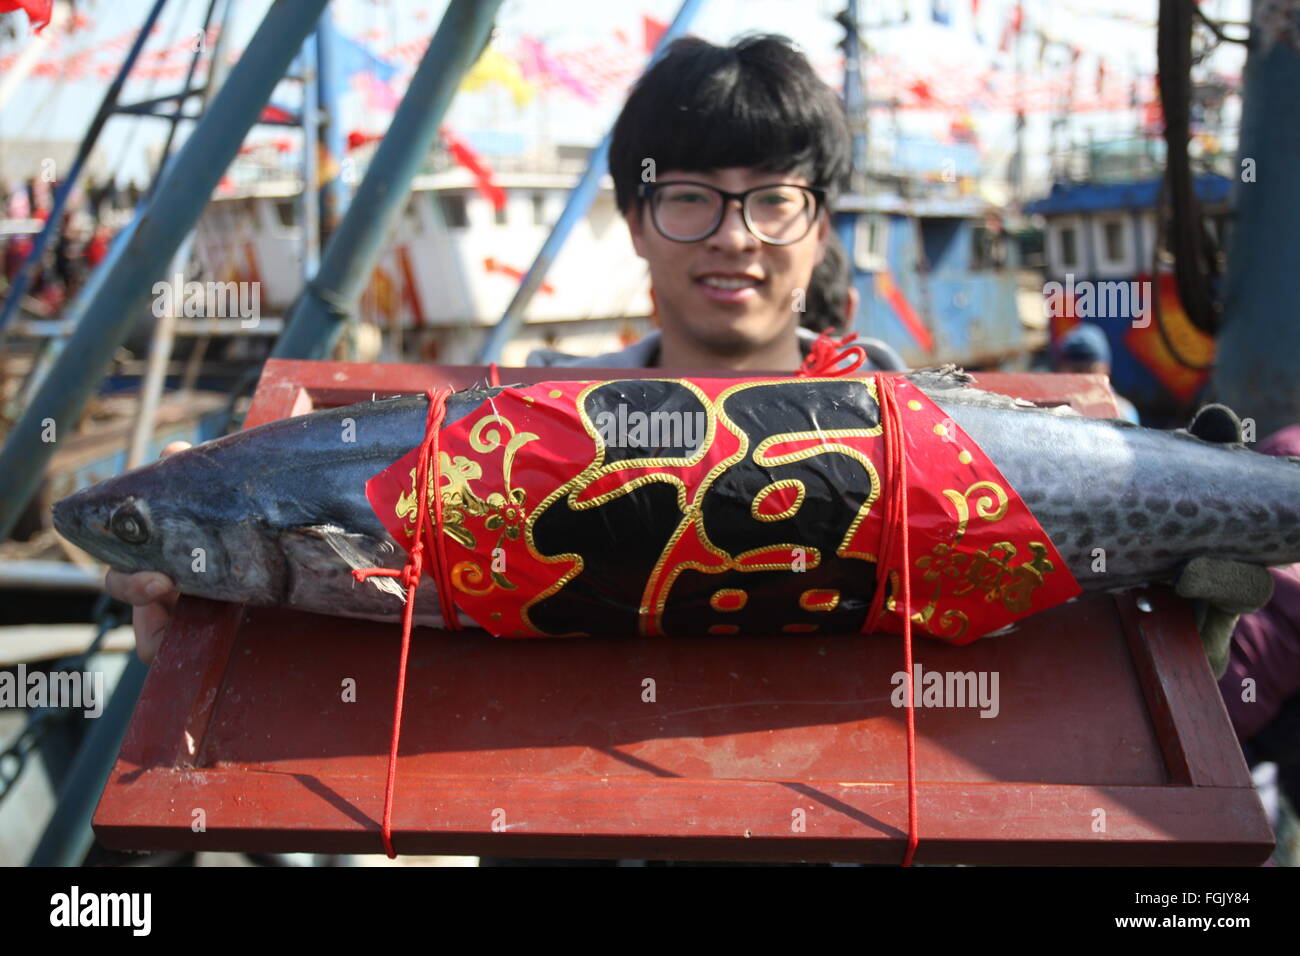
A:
{"x":768,"y":519}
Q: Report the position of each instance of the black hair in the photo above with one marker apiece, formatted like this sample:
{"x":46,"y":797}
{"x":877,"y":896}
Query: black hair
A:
{"x":757,"y":104}
{"x":828,"y":289}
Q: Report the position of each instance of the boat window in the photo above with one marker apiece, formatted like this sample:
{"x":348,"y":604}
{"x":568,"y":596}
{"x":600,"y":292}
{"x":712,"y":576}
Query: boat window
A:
{"x":287,"y":210}
{"x":413,"y":220}
{"x":1069,"y":246}
{"x":454,"y":212}
{"x":1113,"y":240}
{"x":988,"y":248}
{"x":870,"y":246}
{"x":539,"y":209}
{"x":499,"y":215}
{"x":1113,"y":234}
{"x":939,"y":238}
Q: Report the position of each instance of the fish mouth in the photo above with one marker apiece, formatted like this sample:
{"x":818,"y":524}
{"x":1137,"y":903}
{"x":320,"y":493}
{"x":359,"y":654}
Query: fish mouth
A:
{"x":72,"y":520}
{"x":67,"y":521}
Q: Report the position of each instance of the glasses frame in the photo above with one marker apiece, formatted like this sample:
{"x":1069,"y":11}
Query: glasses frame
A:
{"x":646,"y":191}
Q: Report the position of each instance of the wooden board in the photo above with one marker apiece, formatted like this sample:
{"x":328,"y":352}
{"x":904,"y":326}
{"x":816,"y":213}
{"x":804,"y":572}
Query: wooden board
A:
{"x":1110,"y":745}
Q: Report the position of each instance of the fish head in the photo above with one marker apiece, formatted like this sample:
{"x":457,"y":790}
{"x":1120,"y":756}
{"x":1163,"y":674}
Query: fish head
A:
{"x":182,"y":516}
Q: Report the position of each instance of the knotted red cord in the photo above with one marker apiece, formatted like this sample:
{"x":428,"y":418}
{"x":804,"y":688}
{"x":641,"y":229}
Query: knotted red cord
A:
{"x":895,"y":527}
{"x":430,"y":457}
{"x":824,"y":359}
{"x":895,"y":535}
{"x":826,"y":354}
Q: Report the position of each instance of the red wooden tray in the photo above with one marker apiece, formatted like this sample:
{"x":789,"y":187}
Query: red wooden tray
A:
{"x":1111,"y":745}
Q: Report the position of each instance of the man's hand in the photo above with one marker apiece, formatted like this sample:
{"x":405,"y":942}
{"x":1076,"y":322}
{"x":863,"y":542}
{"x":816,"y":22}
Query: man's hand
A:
{"x":1223,"y":591}
{"x":151,"y":593}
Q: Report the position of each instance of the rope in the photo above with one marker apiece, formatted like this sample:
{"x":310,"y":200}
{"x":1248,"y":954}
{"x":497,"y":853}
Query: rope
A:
{"x":825,"y":358}
{"x":895,"y":536}
{"x":430,"y":457}
{"x":826,"y":354}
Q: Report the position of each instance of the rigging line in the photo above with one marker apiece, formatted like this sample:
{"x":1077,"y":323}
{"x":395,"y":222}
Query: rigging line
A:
{"x":152,"y":88}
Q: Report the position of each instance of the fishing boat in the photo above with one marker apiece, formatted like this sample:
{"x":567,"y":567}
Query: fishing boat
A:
{"x":1101,"y":238}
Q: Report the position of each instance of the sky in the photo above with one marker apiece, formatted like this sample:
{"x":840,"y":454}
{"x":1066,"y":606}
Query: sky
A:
{"x":1119,"y":33}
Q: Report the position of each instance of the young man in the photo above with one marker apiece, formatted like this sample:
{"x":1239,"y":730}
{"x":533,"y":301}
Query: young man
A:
{"x":725,"y":163}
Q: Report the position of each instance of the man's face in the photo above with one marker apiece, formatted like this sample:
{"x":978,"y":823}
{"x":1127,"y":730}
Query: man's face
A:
{"x":728,"y":322}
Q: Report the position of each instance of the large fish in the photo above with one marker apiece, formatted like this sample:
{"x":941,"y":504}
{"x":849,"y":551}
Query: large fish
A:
{"x":277,"y":515}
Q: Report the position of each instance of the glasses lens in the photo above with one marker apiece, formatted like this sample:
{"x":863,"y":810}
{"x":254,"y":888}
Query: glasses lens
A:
{"x":685,"y":211}
{"x":781,"y":214}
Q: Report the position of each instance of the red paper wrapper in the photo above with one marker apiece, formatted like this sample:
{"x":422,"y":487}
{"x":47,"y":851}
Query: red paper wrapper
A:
{"x":747,"y":506}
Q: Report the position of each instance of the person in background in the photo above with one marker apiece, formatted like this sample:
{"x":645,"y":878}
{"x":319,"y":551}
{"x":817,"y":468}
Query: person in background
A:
{"x":1085,"y":349}
{"x":1261,"y":686}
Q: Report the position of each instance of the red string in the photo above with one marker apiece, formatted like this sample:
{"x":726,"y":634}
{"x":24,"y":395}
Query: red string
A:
{"x":430,"y":457}
{"x":494,"y":376}
{"x":895,"y":527}
{"x":827,"y":353}
{"x":895,"y":535}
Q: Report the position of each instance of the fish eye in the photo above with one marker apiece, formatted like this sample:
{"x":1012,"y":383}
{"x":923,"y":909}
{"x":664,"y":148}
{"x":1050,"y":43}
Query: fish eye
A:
{"x":129,"y":524}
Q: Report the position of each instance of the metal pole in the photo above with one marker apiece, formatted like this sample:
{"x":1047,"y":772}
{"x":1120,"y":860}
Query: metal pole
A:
{"x":580,"y":199}
{"x":335,"y":185}
{"x":1255,"y":367}
{"x":855,"y":102}
{"x":164,"y":332}
{"x":122,"y":285}
{"x":160,"y":354}
{"x":317,"y":315}
{"x":68,"y":836}
{"x":24,"y":277}
{"x":188,"y":85}
{"x":309,"y":207}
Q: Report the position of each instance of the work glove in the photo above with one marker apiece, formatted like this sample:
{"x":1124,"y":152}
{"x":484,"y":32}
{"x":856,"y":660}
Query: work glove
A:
{"x":1222,"y":591}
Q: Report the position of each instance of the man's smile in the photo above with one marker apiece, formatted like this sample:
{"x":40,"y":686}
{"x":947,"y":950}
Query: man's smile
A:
{"x":729,"y":287}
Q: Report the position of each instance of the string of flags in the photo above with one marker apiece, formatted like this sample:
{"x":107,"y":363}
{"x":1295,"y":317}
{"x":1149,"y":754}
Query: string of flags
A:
{"x":1043,"y":74}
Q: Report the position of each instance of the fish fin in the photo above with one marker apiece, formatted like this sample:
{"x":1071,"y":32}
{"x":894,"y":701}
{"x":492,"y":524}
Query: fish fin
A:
{"x":1216,"y":423}
{"x":948,"y":383}
{"x":359,"y":551}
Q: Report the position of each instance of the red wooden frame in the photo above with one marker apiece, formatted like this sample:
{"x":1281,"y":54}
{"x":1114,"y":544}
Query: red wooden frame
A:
{"x":1112,"y":744}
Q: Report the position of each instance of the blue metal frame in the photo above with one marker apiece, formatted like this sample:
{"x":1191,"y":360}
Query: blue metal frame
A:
{"x":121,"y":287}
{"x":316,"y":317}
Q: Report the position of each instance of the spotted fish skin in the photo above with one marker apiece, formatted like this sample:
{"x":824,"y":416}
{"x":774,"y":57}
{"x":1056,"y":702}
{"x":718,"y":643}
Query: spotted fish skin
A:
{"x":280,"y":514}
{"x":1138,"y":502}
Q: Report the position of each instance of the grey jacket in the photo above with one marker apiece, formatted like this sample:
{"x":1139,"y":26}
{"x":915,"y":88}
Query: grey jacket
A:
{"x":645,"y":354}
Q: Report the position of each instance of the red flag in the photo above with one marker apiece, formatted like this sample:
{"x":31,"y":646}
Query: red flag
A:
{"x":921,"y":90}
{"x":652,"y":30}
{"x":357,"y":139}
{"x":483,"y":182}
{"x":38,"y":11}
{"x":1012,"y":28}
{"x":276,"y":115}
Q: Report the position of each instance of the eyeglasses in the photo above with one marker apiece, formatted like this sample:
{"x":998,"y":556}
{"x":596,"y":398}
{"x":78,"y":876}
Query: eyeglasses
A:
{"x":686,"y":211}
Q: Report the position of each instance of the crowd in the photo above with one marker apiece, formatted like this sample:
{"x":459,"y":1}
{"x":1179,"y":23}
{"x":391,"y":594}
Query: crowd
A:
{"x":87,"y":224}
